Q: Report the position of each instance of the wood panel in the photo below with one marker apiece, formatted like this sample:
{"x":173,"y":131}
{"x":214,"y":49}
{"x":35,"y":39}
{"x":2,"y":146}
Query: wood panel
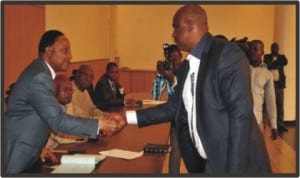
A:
{"x":23,"y":27}
{"x":137,"y":80}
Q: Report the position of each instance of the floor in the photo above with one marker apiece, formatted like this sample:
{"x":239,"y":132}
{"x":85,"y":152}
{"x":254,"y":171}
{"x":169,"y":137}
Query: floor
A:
{"x":282,"y":152}
{"x":289,"y":137}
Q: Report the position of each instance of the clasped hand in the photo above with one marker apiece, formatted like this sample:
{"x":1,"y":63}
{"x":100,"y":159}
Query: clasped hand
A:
{"x":112,"y":123}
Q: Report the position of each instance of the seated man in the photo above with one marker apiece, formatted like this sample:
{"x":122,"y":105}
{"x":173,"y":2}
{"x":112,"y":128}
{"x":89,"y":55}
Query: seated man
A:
{"x":81,"y":104}
{"x":108,"y":91}
{"x":90,"y":89}
{"x":63,"y":91}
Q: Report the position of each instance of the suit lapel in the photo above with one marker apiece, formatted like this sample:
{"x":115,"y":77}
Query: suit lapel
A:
{"x":201,"y":74}
{"x":44,"y":65}
{"x":183,"y":72}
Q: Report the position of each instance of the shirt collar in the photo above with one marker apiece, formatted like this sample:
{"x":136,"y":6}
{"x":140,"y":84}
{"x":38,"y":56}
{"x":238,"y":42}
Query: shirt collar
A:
{"x":199,"y":48}
{"x":53,"y":74}
{"x":111,"y":82}
{"x":263,"y":65}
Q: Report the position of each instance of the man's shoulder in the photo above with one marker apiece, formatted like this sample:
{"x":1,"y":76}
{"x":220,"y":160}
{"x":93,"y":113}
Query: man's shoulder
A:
{"x":102,"y":79}
{"x":35,"y":70}
{"x":268,"y":55}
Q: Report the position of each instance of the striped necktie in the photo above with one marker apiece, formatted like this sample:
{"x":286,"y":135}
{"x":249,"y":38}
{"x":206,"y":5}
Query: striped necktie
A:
{"x":193,"y":97}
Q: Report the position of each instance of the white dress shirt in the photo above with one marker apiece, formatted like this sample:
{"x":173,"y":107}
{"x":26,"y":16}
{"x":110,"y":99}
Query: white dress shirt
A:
{"x":113,"y":87}
{"x":53,"y":74}
{"x":189,"y":102}
{"x":263,"y":91}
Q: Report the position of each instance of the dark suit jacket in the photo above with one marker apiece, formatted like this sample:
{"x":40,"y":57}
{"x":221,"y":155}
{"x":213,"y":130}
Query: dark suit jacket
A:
{"x":278,"y":64}
{"x":225,"y":120}
{"x":32,"y":111}
{"x":105,"y":98}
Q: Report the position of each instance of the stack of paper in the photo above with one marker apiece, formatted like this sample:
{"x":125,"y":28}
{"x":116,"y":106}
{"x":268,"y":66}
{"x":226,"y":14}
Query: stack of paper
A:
{"x":153,"y":102}
{"x":78,"y":163}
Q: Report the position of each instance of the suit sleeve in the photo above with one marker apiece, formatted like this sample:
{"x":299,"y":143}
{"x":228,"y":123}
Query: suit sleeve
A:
{"x":43,"y":100}
{"x":280,"y":62}
{"x":157,"y":114}
{"x":235,"y":89}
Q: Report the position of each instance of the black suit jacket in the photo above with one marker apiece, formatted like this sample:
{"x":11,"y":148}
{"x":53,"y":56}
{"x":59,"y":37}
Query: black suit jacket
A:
{"x":104,"y":97}
{"x":278,"y":65}
{"x":32,"y":111}
{"x":225,"y":120}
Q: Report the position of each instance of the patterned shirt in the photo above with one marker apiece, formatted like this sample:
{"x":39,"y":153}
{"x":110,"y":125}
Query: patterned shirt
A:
{"x":160,"y":84}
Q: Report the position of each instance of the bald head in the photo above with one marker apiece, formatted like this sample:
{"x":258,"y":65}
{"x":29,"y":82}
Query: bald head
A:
{"x":84,"y":77}
{"x":85,"y":68}
{"x":190,"y":25}
{"x":193,"y":14}
{"x":59,"y":81}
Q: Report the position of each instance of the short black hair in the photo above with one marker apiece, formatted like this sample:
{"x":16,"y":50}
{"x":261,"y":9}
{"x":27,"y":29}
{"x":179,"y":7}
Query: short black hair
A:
{"x":48,"y":39}
{"x":274,"y":44}
{"x":172,"y":48}
{"x":254,"y":42}
{"x":111,"y":64}
{"x":222,"y":37}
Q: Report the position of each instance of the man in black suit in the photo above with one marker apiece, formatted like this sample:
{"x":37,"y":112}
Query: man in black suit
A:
{"x":33,"y":111}
{"x":212,"y":107}
{"x":276,"y":63}
{"x":109,"y":92}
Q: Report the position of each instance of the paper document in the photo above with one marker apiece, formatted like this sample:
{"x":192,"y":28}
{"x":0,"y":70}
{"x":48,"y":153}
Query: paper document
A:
{"x":78,"y":163}
{"x":74,"y":168}
{"x":154,"y":102}
{"x":118,"y":153}
{"x":67,"y":140}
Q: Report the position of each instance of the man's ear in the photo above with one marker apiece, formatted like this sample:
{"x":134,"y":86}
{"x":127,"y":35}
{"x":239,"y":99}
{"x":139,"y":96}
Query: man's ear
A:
{"x":49,"y":50}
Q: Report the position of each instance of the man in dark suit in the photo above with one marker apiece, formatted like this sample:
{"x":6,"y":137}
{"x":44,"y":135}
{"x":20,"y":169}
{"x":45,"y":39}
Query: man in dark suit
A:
{"x":32,"y":109}
{"x":276,"y":63}
{"x":212,"y":107}
{"x":108,"y":91}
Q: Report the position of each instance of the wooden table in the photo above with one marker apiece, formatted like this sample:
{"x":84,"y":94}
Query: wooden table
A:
{"x":129,"y":138}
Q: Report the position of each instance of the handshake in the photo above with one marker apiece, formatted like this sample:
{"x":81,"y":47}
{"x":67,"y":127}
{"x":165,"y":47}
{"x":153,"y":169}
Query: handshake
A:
{"x":112,"y":123}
